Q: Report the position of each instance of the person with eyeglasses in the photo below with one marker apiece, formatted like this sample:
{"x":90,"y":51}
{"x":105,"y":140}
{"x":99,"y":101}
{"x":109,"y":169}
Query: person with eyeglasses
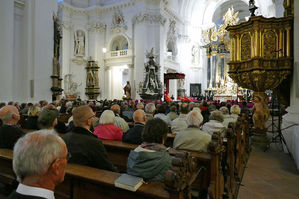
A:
{"x":39,"y":162}
{"x":9,"y":131}
{"x":85,"y":147}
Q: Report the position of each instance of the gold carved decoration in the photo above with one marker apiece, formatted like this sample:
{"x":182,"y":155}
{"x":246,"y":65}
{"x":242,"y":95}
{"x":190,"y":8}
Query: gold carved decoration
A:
{"x":246,"y":47}
{"x":92,"y":89}
{"x":270,"y":41}
{"x":261,"y":58}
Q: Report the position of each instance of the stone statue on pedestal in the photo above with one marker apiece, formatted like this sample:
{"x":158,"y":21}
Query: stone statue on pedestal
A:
{"x":151,"y":88}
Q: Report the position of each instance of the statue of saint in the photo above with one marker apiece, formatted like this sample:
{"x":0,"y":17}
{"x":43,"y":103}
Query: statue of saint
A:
{"x":127,"y":90}
{"x":79,"y":43}
{"x":151,"y":82}
{"x":90,"y":80}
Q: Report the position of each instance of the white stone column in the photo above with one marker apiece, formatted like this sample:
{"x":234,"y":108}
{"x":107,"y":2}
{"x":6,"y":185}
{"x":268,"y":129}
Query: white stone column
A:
{"x":108,"y":86}
{"x":292,"y":117}
{"x":6,"y":49}
{"x":43,"y":31}
{"x":66,"y":49}
{"x":92,"y":44}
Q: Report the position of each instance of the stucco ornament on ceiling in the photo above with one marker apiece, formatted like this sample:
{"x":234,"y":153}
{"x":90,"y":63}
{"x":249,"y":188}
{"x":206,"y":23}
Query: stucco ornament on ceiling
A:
{"x":149,"y":17}
{"x":118,"y":22}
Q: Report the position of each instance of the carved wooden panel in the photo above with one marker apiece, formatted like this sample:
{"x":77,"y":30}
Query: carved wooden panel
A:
{"x":269,"y":44}
{"x":246,"y":47}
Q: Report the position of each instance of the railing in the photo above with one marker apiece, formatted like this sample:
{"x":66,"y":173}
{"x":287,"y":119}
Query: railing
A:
{"x":118,"y":53}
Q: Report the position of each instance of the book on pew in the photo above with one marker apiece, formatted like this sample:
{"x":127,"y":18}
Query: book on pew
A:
{"x":128,"y":182}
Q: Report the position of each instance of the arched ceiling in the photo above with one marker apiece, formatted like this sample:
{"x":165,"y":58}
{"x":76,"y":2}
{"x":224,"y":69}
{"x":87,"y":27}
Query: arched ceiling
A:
{"x":237,"y":5}
{"x":205,"y":12}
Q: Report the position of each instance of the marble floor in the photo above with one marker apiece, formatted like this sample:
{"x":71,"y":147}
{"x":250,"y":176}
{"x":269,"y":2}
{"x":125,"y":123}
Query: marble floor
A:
{"x":270,"y":175}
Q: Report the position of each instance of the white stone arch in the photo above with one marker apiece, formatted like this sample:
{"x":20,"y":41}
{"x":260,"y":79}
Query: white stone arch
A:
{"x":119,"y":37}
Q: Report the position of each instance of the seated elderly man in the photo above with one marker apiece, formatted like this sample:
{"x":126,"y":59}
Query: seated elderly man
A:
{"x":180,"y":123}
{"x":134,"y":135}
{"x":149,"y":111}
{"x":86,"y":148}
{"x":227,"y":118}
{"x":107,"y":130}
{"x":192,"y":138}
{"x":39,"y":161}
{"x":9,"y":131}
{"x":151,"y":160}
{"x":118,"y":121}
{"x":215,"y":123}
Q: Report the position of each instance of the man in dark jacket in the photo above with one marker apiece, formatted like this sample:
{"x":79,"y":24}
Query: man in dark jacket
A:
{"x":134,"y":135}
{"x":9,"y":132}
{"x":86,"y":148}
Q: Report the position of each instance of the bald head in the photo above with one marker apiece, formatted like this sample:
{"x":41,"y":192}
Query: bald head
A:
{"x":9,"y":114}
{"x":81,"y":115}
{"x":139,"y":116}
{"x":115,"y":108}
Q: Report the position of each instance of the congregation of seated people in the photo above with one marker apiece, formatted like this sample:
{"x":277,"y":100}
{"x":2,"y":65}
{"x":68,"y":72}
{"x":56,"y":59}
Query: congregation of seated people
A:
{"x":143,"y":123}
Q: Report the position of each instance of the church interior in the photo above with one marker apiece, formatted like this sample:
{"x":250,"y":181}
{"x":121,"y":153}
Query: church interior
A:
{"x":191,"y":58}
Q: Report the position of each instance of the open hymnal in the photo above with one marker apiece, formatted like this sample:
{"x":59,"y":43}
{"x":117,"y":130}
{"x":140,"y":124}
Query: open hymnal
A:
{"x":128,"y":182}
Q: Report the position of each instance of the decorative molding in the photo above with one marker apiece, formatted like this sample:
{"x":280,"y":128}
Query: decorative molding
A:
{"x":95,"y":10}
{"x":65,"y":7}
{"x":79,"y":61}
{"x":19,"y":4}
{"x":118,"y":22}
{"x":149,"y":17}
{"x":96,"y":27}
{"x":172,"y":14}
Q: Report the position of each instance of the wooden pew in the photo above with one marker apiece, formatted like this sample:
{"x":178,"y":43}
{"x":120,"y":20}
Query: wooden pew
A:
{"x":88,"y":183}
{"x":118,"y":153}
{"x":236,"y":155}
{"x":64,"y":117}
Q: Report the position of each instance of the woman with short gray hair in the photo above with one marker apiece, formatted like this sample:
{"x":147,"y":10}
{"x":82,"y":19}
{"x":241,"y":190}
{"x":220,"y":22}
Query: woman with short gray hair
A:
{"x":215,"y":123}
{"x":227,"y":118}
{"x":107,"y":130}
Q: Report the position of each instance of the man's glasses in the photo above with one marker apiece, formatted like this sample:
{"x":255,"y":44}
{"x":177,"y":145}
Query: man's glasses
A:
{"x":91,"y":117}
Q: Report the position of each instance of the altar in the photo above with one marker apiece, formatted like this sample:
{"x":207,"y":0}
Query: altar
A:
{"x":225,"y":97}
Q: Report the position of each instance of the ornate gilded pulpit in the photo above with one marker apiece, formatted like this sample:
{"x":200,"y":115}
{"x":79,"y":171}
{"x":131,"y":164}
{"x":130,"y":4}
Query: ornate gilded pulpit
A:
{"x":261,"y":57}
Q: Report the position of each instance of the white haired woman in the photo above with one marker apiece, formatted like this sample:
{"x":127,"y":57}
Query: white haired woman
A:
{"x":107,"y":130}
{"x":235,"y":111}
{"x":215,"y":124}
{"x":227,"y":118}
{"x":192,"y":138}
